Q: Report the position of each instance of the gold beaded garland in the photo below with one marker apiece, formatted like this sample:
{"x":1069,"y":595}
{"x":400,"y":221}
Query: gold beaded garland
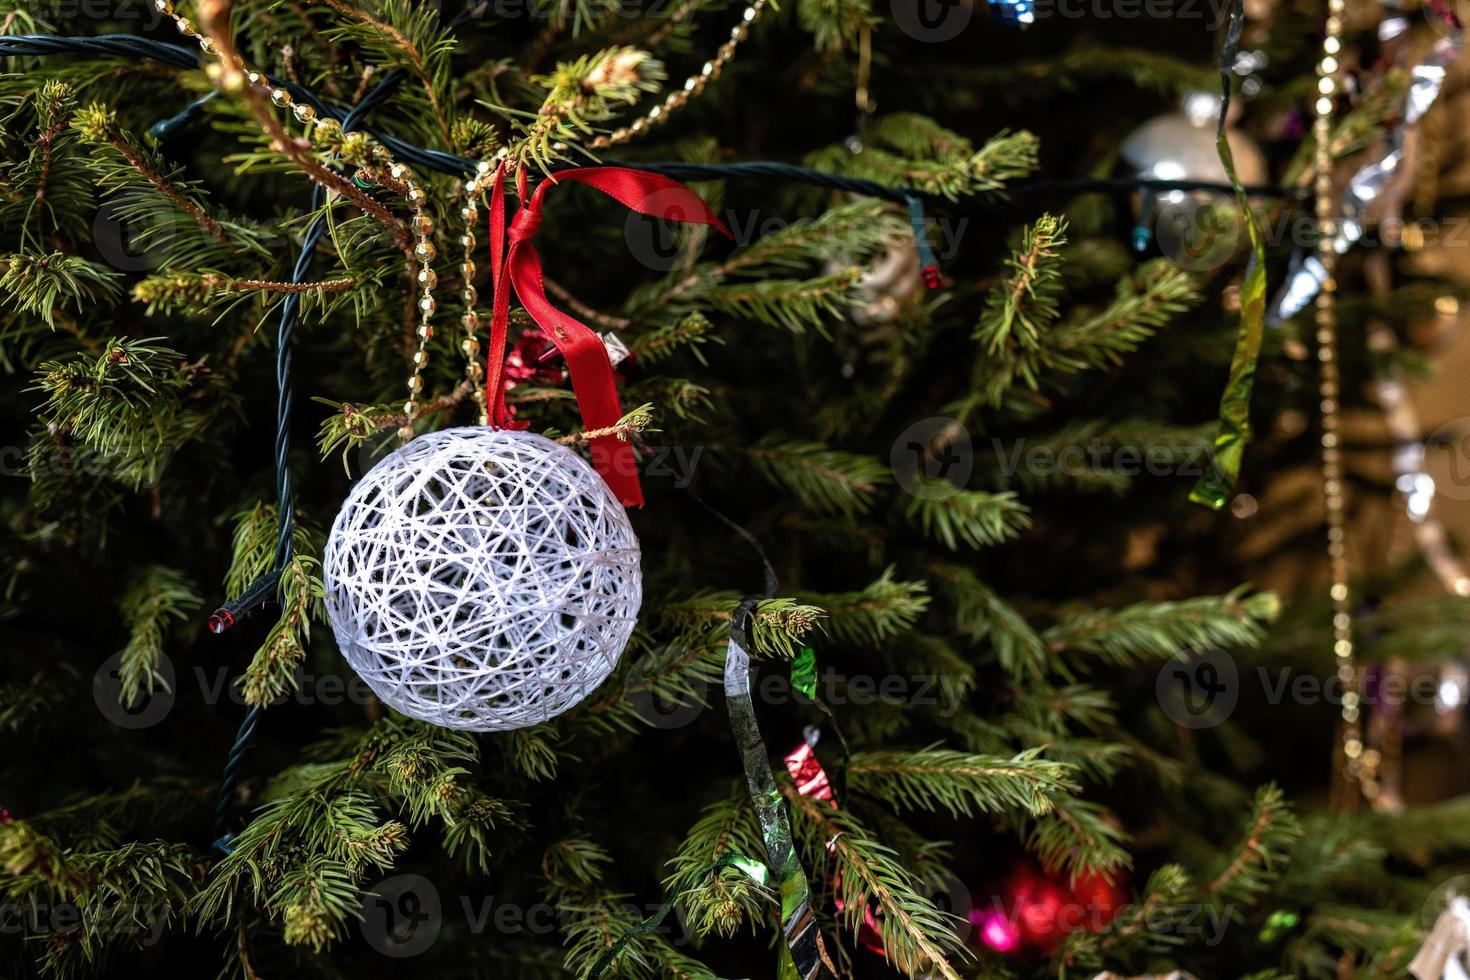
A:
{"x":1357,"y":765}
{"x":474,"y":370}
{"x":421,"y":221}
{"x":693,"y":85}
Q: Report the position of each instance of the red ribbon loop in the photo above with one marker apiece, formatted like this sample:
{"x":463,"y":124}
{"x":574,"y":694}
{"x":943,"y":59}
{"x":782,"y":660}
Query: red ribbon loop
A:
{"x":514,"y":264}
{"x":525,"y":225}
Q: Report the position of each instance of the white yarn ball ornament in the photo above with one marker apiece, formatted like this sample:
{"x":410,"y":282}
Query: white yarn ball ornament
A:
{"x":482,"y":579}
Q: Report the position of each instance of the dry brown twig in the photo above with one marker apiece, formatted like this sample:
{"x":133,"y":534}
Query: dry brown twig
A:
{"x":214,"y":18}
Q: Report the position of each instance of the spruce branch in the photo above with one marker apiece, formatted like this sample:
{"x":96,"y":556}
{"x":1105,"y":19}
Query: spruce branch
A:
{"x":690,"y":332}
{"x":1271,"y":831}
{"x":24,"y":704}
{"x":916,"y":934}
{"x":533,"y":751}
{"x":1142,"y":927}
{"x":307,"y":855}
{"x":1022,"y":307}
{"x":155,"y":597}
{"x":53,"y":106}
{"x":51,"y":182}
{"x":1147,"y":300}
{"x":1096,"y":760}
{"x":960,"y":782}
{"x":197,"y":293}
{"x":352,"y":425}
{"x":594,"y":918}
{"x":679,"y":673}
{"x":46,"y":284}
{"x":886,"y":607}
{"x":470,"y":819}
{"x":306,"y":858}
{"x":983,"y":616}
{"x":913,"y":151}
{"x":778,"y":627}
{"x":129,"y":404}
{"x":1160,"y":630}
{"x":849,"y":233}
{"x":973,"y":517}
{"x":835,"y":24}
{"x":853,"y":232}
{"x":1004,"y":157}
{"x":791,"y":304}
{"x":638,"y":420}
{"x":253,"y":544}
{"x":1171,"y":897}
{"x":120,"y":893}
{"x":1078,"y":836}
{"x":408,"y":35}
{"x":821,"y":478}
{"x":1047,"y":348}
{"x":272,"y":671}
{"x":680,"y":397}
{"x":722,"y":900}
{"x":1043,"y":707}
{"x":98,"y":127}
{"x":587,"y":90}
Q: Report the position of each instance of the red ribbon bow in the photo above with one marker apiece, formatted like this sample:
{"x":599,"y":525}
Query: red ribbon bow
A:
{"x":519,"y":267}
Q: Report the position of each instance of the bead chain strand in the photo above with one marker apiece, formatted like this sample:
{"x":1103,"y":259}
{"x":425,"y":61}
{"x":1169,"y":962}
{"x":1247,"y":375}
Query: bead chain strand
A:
{"x":474,"y":370}
{"x":424,"y":253}
{"x":693,"y":85}
{"x":422,"y":224}
{"x":1357,"y":766}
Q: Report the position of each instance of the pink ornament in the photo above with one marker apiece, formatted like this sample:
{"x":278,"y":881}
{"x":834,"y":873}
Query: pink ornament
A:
{"x":995,"y":932}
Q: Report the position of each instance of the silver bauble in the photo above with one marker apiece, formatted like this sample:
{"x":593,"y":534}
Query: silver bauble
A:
{"x":891,"y":287}
{"x":1180,"y":145}
{"x":891,"y":282}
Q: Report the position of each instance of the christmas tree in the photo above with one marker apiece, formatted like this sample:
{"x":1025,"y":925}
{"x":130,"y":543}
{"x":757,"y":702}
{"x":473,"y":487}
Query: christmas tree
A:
{"x":914,"y":332}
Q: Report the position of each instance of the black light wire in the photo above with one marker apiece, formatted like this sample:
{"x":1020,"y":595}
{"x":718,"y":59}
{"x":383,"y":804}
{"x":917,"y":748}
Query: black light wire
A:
{"x":266,"y":587}
{"x":134,"y":46}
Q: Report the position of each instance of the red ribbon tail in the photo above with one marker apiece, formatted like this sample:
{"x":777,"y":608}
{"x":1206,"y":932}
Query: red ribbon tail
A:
{"x":515,"y":264}
{"x":646,"y":193}
{"x":499,"y":413}
{"x":591,"y":371}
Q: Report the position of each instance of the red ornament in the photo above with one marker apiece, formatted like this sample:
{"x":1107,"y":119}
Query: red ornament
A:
{"x":1035,"y":911}
{"x":1101,"y":897}
{"x":811,"y":780}
{"x":535,"y":358}
{"x":524,"y":362}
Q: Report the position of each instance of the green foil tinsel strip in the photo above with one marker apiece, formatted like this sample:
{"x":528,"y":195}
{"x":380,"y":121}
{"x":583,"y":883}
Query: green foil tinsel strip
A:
{"x":804,"y":673}
{"x":1215,"y":487}
{"x":798,"y":922}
